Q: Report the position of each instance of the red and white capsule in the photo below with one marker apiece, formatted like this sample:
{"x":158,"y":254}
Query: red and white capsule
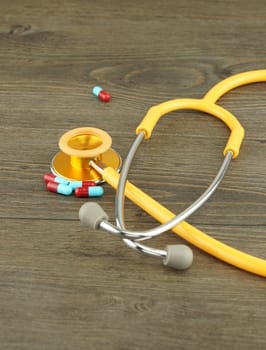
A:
{"x":101,"y":94}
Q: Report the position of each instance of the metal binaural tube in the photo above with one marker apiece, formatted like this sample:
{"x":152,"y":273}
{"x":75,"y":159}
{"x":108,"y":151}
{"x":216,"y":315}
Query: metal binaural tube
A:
{"x":119,"y":202}
{"x":130,"y":238}
{"x":120,"y":193}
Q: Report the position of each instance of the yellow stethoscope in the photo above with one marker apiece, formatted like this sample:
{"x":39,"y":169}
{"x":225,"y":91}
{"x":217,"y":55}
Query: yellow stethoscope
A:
{"x":75,"y":162}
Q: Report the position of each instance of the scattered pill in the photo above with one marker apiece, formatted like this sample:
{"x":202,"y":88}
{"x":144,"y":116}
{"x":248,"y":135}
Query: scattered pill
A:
{"x":59,"y":188}
{"x":101,"y":94}
{"x":53,"y":178}
{"x":76,"y":184}
{"x":95,"y":191}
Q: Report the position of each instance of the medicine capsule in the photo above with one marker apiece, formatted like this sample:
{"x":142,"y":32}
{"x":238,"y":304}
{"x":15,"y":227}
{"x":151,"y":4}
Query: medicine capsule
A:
{"x":101,"y":94}
{"x":76,"y":184}
{"x":59,"y":188}
{"x":87,"y":191}
{"x":53,"y":178}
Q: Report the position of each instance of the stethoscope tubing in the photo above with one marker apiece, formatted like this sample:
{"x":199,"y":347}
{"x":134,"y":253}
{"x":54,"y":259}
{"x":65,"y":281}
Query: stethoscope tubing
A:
{"x":233,"y":82}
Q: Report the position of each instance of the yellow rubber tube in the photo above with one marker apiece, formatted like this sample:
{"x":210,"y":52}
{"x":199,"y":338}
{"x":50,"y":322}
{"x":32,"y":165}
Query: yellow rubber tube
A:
{"x":156,"y":112}
{"x":188,"y":232}
{"x":235,"y":81}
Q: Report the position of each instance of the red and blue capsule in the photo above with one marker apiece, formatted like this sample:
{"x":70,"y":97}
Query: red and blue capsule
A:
{"x":89,"y":191}
{"x":101,"y":94}
{"x":53,"y":178}
{"x":56,"y":187}
{"x":76,"y":184}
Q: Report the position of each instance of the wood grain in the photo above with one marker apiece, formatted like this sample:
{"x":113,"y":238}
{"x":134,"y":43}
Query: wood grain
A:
{"x":63,"y":287}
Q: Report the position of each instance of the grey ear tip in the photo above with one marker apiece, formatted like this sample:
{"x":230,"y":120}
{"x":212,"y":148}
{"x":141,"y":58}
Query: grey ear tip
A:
{"x":178,"y":256}
{"x":91,"y":214}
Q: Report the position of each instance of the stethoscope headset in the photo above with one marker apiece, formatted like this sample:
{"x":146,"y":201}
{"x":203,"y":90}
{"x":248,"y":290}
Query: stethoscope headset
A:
{"x":177,"y":256}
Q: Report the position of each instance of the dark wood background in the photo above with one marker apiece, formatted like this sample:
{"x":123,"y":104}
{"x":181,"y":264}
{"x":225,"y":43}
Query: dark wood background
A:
{"x":64,"y":287}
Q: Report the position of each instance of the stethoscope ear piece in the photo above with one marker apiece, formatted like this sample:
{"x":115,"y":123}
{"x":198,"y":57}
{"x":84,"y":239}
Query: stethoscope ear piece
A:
{"x":178,"y":256}
{"x":91,"y":214}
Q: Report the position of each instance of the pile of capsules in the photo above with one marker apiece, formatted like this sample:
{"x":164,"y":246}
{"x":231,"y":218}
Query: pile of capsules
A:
{"x":63,"y":186}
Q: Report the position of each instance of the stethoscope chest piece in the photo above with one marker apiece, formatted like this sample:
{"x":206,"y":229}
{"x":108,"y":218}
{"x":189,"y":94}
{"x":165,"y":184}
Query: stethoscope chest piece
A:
{"x":78,"y":147}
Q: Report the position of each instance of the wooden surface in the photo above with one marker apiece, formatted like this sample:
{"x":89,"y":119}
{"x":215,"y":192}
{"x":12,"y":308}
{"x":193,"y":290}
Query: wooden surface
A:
{"x":63,"y":287}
